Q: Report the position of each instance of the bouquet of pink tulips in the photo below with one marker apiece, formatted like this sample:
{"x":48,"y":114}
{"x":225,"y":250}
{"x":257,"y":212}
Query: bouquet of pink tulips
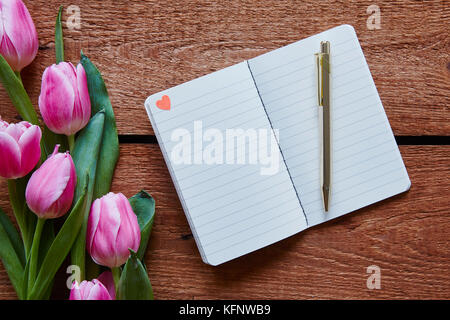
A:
{"x":61,"y":172}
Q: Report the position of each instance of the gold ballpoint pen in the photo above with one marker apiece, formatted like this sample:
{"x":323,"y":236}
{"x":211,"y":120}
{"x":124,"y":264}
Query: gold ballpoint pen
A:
{"x":323,"y":72}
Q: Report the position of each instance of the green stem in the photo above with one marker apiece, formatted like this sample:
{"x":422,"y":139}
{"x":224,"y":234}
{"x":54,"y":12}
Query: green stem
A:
{"x":116,"y":276}
{"x":18,"y":210}
{"x":17,"y":73}
{"x":35,"y":252}
{"x":71,"y":140}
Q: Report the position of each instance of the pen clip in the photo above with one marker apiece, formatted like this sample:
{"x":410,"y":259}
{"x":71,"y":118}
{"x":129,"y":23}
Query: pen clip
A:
{"x":323,"y":64}
{"x":319,"y":79}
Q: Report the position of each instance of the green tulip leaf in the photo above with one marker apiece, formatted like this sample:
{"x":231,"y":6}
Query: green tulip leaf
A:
{"x":106,"y":159}
{"x":50,"y":140}
{"x":21,"y":101}
{"x":143,"y":206}
{"x":85,"y":157}
{"x":134,"y":283}
{"x":24,"y":217}
{"x":11,"y":253}
{"x":13,"y":236}
{"x":109,"y":152}
{"x":59,"y":39}
{"x":17,"y":93}
{"x":24,"y":282}
{"x":60,"y":247}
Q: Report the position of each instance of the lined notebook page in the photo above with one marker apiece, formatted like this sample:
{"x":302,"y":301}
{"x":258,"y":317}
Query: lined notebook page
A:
{"x":232,"y":208}
{"x":367,"y":165}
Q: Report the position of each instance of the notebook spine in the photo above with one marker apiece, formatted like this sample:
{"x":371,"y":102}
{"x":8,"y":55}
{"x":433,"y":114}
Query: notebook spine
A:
{"x":278,"y":143}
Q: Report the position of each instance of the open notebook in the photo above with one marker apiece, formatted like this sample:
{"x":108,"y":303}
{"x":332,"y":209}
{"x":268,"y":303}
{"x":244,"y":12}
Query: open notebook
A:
{"x":236,"y":208}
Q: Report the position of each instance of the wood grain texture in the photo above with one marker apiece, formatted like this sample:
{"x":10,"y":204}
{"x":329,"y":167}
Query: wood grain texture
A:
{"x":406,"y":236}
{"x":142,"y":47}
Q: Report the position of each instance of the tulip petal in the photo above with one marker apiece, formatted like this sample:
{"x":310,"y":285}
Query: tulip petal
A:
{"x":77,"y":121}
{"x":40,"y":199}
{"x":75,"y":292}
{"x":113,"y":229}
{"x":82,"y":108}
{"x":62,"y":205}
{"x":69,"y":71}
{"x":19,"y":28}
{"x":135,"y":229}
{"x":83,"y":90}
{"x":10,"y":157}
{"x":94,"y":217}
{"x":103,"y":249}
{"x":1,"y":24}
{"x":14,"y":131}
{"x":56,"y":100}
{"x":25,"y":125}
{"x":106,"y":278}
{"x":122,"y":252}
{"x":129,"y":228}
{"x":86,"y":287}
{"x":98,"y":292}
{"x":29,"y":144}
{"x":3,"y":124}
{"x":9,"y":52}
{"x":89,"y":290}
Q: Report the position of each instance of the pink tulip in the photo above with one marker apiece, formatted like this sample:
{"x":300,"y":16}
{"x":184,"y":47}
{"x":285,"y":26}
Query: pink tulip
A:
{"x":49,"y":192}
{"x":19,"y":42}
{"x":19,"y":148}
{"x":64,"y":101}
{"x":89,"y":290}
{"x":112,"y":230}
{"x":106,"y":278}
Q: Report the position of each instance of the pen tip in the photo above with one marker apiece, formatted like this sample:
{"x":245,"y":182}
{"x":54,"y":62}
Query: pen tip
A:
{"x":326,"y":197}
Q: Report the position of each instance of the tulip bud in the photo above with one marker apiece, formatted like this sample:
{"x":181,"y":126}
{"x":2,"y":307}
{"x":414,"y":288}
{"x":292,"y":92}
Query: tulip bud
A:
{"x":112,"y":230}
{"x":19,"y":148}
{"x":64,"y":101}
{"x":89,"y":290}
{"x":19,"y":42}
{"x":49,"y":192}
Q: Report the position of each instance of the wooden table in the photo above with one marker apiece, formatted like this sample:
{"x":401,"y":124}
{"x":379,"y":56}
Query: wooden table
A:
{"x":142,"y":47}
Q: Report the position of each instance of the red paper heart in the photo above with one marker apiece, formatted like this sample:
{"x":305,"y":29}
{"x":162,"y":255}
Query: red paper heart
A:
{"x":164,"y":103}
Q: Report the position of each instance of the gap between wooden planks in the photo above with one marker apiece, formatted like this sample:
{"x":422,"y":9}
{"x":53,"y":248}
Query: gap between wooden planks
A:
{"x":144,"y":47}
{"x":406,"y":236}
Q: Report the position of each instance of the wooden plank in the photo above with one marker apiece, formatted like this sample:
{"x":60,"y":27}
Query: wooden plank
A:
{"x":144,"y":47}
{"x":406,"y":236}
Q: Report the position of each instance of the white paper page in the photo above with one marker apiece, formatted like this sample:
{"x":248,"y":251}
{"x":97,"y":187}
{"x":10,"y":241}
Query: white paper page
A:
{"x":367,"y":165}
{"x":232,"y":207}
